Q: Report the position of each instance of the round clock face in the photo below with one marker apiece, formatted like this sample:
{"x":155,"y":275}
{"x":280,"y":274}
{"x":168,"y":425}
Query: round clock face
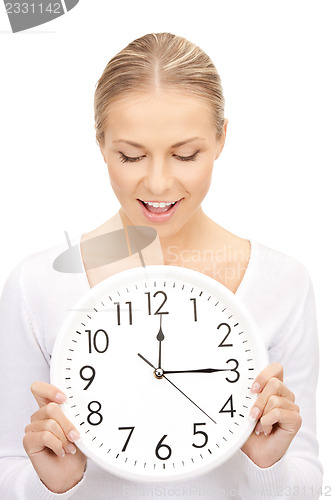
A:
{"x":157,"y":364}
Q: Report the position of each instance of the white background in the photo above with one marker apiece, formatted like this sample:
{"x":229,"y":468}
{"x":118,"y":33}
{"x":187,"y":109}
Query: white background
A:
{"x":273,"y":181}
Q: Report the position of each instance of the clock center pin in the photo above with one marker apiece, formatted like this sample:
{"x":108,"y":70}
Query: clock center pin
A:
{"x":158,"y":373}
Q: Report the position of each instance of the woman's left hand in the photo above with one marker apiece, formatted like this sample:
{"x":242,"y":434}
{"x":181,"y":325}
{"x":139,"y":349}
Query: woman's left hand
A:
{"x":278,"y":418}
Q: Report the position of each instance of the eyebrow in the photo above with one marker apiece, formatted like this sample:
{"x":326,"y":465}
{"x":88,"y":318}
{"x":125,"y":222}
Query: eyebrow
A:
{"x":177,"y":145}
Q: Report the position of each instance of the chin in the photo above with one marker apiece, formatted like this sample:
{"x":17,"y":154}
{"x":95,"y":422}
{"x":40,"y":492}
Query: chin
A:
{"x":165,"y":230}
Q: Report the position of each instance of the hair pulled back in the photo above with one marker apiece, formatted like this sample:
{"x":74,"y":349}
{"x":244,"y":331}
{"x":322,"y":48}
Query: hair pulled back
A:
{"x":158,"y":61}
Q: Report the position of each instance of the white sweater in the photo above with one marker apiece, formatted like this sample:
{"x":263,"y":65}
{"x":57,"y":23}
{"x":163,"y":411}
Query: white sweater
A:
{"x":278,"y":292}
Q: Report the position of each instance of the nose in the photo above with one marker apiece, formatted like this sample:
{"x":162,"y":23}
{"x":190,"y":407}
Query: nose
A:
{"x":158,"y":178}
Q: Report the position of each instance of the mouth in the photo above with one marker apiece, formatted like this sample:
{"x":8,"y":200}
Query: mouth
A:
{"x":158,"y":207}
{"x":159,"y":211}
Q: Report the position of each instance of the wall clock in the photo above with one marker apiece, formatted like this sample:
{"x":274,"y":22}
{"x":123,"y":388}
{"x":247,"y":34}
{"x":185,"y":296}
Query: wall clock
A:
{"x":157,"y":364}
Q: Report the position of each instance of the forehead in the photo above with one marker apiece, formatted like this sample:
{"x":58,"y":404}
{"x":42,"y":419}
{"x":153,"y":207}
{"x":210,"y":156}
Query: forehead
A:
{"x":164,"y":114}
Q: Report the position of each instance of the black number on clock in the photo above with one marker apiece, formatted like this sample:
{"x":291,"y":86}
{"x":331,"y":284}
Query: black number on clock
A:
{"x":232,"y":411}
{"x":195,"y":308}
{"x":200,"y":432}
{"x":164,"y":301}
{"x":92,"y":376}
{"x":94,"y":412}
{"x":233,"y":370}
{"x":129,"y":312}
{"x":165,"y":446}
{"x":92,"y":340}
{"x":129,"y":436}
{"x":228,"y":332}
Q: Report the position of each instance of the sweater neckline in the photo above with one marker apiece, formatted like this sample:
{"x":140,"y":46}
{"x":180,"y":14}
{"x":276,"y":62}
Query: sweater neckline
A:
{"x":241,"y":287}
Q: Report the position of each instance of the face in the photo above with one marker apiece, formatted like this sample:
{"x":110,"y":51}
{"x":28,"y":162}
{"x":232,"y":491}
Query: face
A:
{"x":160,"y":148}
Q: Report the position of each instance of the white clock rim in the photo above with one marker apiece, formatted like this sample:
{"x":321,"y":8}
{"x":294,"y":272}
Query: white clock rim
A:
{"x":161,"y":272}
{"x":175,"y":477}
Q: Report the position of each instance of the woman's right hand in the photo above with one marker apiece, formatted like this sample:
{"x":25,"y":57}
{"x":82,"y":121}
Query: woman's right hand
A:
{"x":49,"y":441}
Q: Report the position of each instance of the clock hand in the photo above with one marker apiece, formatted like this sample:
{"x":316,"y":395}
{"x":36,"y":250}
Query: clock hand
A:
{"x":146,"y":360}
{"x":160,"y":338}
{"x":204,"y":370}
{"x":189,"y":399}
{"x":160,"y":374}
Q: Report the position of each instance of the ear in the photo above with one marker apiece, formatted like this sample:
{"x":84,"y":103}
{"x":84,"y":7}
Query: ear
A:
{"x":221,"y":141}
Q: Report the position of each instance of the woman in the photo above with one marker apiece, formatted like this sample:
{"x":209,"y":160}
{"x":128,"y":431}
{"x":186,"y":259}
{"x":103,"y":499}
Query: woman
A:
{"x":159,"y":118}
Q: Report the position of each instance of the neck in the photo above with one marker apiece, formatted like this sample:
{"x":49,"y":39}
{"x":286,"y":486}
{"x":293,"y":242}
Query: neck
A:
{"x":193,"y":235}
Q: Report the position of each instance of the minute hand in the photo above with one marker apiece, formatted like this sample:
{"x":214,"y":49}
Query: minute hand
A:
{"x":203,"y":370}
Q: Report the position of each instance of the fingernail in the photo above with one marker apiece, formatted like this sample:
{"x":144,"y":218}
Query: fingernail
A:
{"x":74,"y":435}
{"x":258,"y":428}
{"x":255,"y":387}
{"x":71,"y":448}
{"x":60,"y":397}
{"x":254,"y":414}
{"x":268,"y":431}
{"x":62,"y":452}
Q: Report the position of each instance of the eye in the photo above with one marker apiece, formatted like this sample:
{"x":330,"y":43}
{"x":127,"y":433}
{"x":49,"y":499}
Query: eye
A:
{"x":131,"y":159}
{"x":188,"y":158}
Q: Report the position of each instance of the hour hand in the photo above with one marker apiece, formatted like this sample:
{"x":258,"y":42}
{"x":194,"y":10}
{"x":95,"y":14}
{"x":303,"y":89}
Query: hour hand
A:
{"x":160,"y":338}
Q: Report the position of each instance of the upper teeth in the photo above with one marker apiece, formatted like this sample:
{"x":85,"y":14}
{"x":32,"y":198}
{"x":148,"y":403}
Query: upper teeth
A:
{"x":159,"y":203}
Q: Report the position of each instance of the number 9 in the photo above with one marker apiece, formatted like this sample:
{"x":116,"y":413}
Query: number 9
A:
{"x":92,"y":376}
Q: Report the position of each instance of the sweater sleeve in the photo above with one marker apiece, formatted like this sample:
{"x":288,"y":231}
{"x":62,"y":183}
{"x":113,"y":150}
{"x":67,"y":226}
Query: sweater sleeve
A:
{"x":298,"y":474}
{"x":22,"y":361}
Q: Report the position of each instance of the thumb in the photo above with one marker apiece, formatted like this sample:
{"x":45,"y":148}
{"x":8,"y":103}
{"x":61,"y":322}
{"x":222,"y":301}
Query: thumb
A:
{"x":45,"y":393}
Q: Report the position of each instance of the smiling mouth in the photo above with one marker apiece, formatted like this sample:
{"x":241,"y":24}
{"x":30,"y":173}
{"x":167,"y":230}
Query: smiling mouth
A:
{"x":158,"y":207}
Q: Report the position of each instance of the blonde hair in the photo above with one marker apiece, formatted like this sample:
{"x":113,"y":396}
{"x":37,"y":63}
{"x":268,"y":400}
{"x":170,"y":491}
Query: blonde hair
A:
{"x":158,"y":60}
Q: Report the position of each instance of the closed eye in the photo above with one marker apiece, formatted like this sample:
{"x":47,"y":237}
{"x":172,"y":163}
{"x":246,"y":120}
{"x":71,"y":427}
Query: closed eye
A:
{"x":132,"y":159}
{"x":188,"y":158}
{"x":124,"y":159}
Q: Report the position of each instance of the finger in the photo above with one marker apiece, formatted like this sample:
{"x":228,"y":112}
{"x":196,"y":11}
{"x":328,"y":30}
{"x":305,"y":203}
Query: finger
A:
{"x":45,"y":393}
{"x":288,"y":420}
{"x":53,"y":411}
{"x":258,"y":428}
{"x":54,"y":428}
{"x":273,"y":387}
{"x":35,"y":442}
{"x":272,"y":370}
{"x":275,"y":401}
